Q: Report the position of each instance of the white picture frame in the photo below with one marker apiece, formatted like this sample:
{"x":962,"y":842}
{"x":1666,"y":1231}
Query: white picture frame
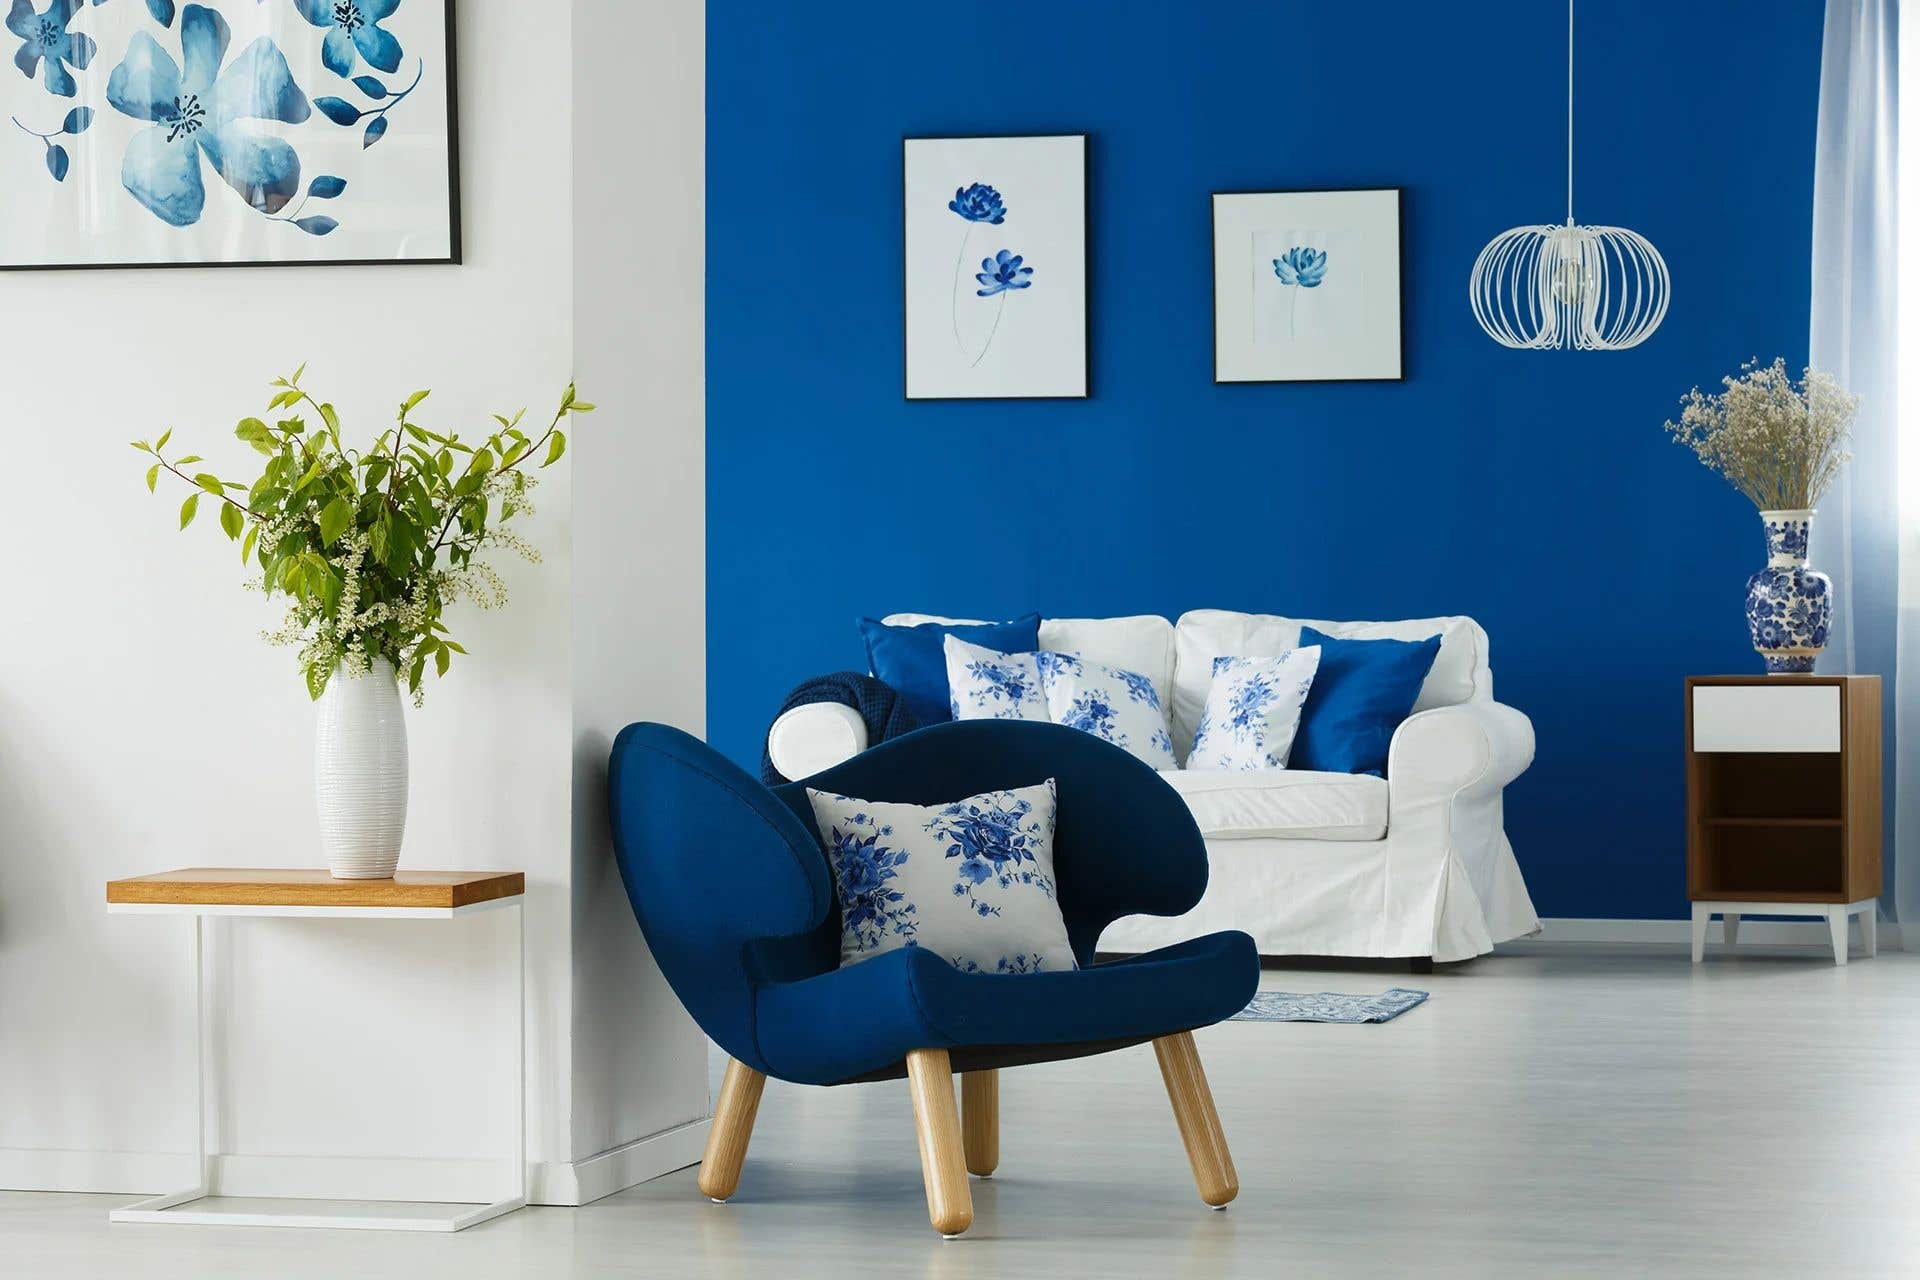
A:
{"x":1306,"y":286}
{"x":995,"y":271}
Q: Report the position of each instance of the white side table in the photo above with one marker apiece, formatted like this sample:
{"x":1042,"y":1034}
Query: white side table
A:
{"x":411,"y":895}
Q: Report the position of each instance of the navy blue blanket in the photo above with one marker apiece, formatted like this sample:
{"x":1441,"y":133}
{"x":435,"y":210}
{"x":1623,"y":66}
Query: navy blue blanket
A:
{"x":884,"y":710}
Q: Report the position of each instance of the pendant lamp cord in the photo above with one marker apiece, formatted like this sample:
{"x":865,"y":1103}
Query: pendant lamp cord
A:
{"x":1569,"y":112}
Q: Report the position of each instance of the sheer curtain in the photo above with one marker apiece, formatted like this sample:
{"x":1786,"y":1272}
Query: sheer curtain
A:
{"x":1867,"y":535}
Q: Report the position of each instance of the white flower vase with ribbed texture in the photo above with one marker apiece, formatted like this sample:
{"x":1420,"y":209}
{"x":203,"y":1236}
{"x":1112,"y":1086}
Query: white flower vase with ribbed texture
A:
{"x":360,"y":773}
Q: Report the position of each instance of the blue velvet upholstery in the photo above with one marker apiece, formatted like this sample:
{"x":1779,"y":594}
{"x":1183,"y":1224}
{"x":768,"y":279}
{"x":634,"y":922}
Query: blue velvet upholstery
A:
{"x":731,"y":888}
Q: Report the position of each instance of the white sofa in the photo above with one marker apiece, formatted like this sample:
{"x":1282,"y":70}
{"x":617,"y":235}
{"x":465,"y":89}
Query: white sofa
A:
{"x":1415,"y":865}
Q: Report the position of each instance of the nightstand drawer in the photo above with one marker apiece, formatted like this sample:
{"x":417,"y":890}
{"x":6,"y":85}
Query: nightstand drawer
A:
{"x":1758,"y":718}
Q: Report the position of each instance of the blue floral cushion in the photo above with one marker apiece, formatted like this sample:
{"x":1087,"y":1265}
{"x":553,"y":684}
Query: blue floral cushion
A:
{"x":1253,"y":710}
{"x":986,"y":684}
{"x":1107,"y":702}
{"x":971,"y":881}
{"x":911,"y":661}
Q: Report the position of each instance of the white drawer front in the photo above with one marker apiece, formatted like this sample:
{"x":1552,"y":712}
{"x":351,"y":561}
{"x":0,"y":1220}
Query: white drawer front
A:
{"x":1756,"y":718}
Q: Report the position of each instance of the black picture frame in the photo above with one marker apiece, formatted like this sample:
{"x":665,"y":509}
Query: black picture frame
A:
{"x":1086,"y":272}
{"x":1400,"y":249}
{"x":455,"y":251}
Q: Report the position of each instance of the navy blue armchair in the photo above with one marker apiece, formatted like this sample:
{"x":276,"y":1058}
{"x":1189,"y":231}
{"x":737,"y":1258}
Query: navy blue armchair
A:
{"x":733,"y":892}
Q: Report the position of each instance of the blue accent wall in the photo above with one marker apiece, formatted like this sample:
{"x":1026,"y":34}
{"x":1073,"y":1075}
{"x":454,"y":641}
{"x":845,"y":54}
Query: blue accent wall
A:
{"x":1534,"y":491}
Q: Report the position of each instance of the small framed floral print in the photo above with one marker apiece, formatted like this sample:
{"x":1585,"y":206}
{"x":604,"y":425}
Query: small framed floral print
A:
{"x":1306,"y":286}
{"x":996,"y":267}
{"x":227,"y":133}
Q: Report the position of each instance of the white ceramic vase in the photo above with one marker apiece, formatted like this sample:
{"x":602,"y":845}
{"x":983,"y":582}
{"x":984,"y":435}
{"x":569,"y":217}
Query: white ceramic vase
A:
{"x":360,"y":773}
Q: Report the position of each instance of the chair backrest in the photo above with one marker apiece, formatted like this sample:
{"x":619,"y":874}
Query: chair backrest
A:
{"x":713,"y":863}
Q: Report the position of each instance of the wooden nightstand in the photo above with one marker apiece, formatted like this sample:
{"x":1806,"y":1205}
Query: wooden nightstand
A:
{"x":1783,"y":801}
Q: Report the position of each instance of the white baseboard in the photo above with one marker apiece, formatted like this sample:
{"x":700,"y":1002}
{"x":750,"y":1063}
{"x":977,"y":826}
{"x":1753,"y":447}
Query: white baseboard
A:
{"x":1679,"y":933}
{"x":627,"y":1165}
{"x":355,"y":1177}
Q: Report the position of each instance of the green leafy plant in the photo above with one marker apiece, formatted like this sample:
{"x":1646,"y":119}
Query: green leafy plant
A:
{"x":371,"y":547}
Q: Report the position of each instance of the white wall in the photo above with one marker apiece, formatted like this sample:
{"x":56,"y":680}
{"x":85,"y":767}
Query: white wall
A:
{"x":143,"y":725}
{"x":639,"y":600}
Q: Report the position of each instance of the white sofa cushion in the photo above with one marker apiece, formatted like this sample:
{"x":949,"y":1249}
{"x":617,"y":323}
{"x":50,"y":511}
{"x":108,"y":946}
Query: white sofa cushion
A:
{"x":1142,"y":643}
{"x":1459,"y":673}
{"x":1286,"y":804}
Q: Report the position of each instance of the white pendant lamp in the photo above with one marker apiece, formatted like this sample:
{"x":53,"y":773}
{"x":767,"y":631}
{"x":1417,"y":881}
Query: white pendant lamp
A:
{"x":1569,"y":288}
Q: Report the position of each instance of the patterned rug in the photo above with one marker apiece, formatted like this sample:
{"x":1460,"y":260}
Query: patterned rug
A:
{"x":1329,"y":1006}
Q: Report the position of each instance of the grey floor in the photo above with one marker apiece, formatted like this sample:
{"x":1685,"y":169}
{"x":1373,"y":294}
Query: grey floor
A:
{"x":1604,"y":1111}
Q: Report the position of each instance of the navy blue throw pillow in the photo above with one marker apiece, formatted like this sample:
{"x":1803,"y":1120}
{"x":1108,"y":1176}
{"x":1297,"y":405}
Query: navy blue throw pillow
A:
{"x":913,"y":661}
{"x":1360,"y":694}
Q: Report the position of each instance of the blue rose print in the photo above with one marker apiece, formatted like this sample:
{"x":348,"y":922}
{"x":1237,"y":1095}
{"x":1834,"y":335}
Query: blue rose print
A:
{"x":979,"y":203}
{"x":197,"y":111}
{"x":353,"y":25}
{"x":44,"y":37}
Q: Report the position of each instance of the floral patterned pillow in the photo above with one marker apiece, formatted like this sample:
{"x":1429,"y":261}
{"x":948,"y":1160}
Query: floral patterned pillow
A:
{"x":1107,"y":702}
{"x":986,"y":684}
{"x":972,"y":881}
{"x":1253,"y":711}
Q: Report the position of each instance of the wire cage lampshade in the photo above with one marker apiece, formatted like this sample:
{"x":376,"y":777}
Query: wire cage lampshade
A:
{"x":1569,"y":288}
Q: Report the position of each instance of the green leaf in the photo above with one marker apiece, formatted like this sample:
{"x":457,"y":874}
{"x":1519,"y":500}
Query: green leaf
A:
{"x":313,"y":473}
{"x":250,"y":429}
{"x":141,"y":445}
{"x":153,"y":476}
{"x":443,"y":463}
{"x":331,"y":418}
{"x":418,"y":434}
{"x":580,"y":406}
{"x":246,"y":548}
{"x":295,"y":380}
{"x":440,"y":660}
{"x":334,"y":519}
{"x":317,"y":678}
{"x":413,"y":400}
{"x":165,"y":436}
{"x":557,"y":447}
{"x":448,"y":643}
{"x":188,"y":510}
{"x":566,"y":398}
{"x":211,"y":483}
{"x":187,"y":461}
{"x":232,"y":521}
{"x":413,"y":675}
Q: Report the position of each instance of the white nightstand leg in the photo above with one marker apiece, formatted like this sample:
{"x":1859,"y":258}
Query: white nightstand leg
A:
{"x":1730,"y":922}
{"x":1700,"y":917}
{"x":1837,"y":925}
{"x":1870,"y":929}
{"x":520,"y":1051}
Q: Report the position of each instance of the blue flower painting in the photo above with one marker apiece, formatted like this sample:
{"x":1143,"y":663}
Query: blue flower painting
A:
{"x":353,"y":26}
{"x":75,"y":123}
{"x":47,"y":46}
{"x":979,"y":203}
{"x":196,"y":108}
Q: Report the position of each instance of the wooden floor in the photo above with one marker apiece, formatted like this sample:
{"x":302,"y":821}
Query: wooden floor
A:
{"x":1605,"y":1111}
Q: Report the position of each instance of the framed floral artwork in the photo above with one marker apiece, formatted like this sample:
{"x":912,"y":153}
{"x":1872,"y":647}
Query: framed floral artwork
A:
{"x":996,"y":267}
{"x":227,"y":133}
{"x":1306,"y":286}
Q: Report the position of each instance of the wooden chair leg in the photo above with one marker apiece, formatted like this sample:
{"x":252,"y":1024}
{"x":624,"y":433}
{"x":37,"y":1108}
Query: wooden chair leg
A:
{"x":942,"y":1159}
{"x":1199,"y":1122}
{"x":732,"y":1129}
{"x":980,"y":1121}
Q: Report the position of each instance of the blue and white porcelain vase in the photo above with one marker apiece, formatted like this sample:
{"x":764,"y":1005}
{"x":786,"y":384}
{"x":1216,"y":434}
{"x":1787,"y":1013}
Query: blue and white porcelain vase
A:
{"x":1789,"y":606}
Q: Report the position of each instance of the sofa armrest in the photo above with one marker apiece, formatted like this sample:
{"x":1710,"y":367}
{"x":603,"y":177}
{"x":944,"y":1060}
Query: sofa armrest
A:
{"x":1473,"y":747}
{"x":819,"y":735}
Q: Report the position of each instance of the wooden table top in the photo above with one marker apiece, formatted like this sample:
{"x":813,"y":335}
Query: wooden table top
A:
{"x":280,"y":887}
